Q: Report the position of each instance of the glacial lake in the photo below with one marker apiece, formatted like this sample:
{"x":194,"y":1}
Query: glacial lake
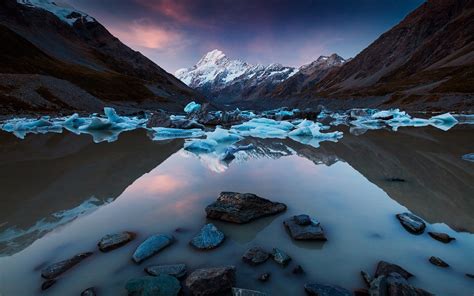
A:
{"x":60,"y":193}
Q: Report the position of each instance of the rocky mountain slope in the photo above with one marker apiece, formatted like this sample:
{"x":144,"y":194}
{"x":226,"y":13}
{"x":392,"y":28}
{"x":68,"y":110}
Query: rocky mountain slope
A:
{"x":71,"y":62}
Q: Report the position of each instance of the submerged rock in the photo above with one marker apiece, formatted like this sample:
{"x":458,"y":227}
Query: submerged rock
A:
{"x":245,"y":292}
{"x":242,"y":207}
{"x":151,"y":246}
{"x":366,"y":277}
{"x":58,"y":268}
{"x":264,"y":277}
{"x":255,"y":256}
{"x":113,"y":241}
{"x":470,"y":275}
{"x":162,"y":285}
{"x":412,"y":223}
{"x":211,"y":281}
{"x":209,"y":237}
{"x":438,"y":262}
{"x":176,"y":270}
{"x":48,"y":284}
{"x":442,"y":237}
{"x":385,"y":268}
{"x":302,"y":227}
{"x":325,"y":290}
{"x":280,"y":257}
{"x":298,"y":270}
{"x":88,"y":292}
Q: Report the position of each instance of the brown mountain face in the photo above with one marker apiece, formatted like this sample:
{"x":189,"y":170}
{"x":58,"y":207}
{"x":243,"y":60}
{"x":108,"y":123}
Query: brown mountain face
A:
{"x":80,"y":67}
{"x":428,"y":58}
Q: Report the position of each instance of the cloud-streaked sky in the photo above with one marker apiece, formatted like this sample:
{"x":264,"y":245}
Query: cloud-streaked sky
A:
{"x":177,"y":33}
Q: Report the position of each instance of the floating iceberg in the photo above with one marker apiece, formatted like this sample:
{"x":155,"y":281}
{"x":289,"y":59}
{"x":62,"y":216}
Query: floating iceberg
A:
{"x":201,"y":146}
{"x":192,"y":107}
{"x":20,"y":127}
{"x":444,"y":121}
{"x":166,"y":133}
{"x":223,"y":136}
{"x":468,"y":157}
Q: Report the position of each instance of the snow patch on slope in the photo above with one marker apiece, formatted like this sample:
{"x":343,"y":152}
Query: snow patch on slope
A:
{"x":61,"y":9}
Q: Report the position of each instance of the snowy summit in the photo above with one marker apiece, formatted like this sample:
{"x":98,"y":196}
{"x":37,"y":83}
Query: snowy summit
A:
{"x":61,"y":9}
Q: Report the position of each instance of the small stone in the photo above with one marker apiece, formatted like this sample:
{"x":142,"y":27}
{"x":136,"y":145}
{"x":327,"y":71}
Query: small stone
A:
{"x":411,"y":223}
{"x":47,"y":284}
{"x":211,"y":281}
{"x":264,"y":277}
{"x":255,"y":256}
{"x":442,"y":237}
{"x":88,"y":292}
{"x":300,"y":229}
{"x":366,"y":277}
{"x":242,"y":207}
{"x":209,"y":237}
{"x":113,"y":241}
{"x":245,"y":292}
{"x":298,"y":270}
{"x":361,"y":292}
{"x":438,"y":262}
{"x":385,"y":268}
{"x":151,"y":246}
{"x":322,"y":290}
{"x":280,"y":257}
{"x":176,"y":270}
{"x":58,"y":268}
{"x":470,"y":275}
{"x":162,"y":285}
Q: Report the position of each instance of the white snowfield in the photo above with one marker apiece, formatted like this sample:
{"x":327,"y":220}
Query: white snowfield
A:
{"x":61,"y":9}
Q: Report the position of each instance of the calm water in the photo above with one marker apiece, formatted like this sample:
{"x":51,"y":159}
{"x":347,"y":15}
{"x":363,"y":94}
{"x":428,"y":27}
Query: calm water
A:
{"x":61,"y":193}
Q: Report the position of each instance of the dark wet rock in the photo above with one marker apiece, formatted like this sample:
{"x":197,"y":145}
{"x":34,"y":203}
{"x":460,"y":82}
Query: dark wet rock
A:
{"x":366,"y":277}
{"x":89,"y":292}
{"x":209,"y":237}
{"x":412,"y":223}
{"x":300,"y":229}
{"x":255,"y":256}
{"x":245,"y":292}
{"x":186,"y":124}
{"x":298,"y":270}
{"x":159,"y":119}
{"x":442,"y":237}
{"x":310,"y":114}
{"x":438,"y":262}
{"x":378,"y":286}
{"x":151,"y":246}
{"x":176,"y":270}
{"x":162,"y":285}
{"x":397,"y":285}
{"x":264,"y":277}
{"x":470,"y":275}
{"x":385,"y":268}
{"x":211,"y":281}
{"x":48,"y":284}
{"x":325,"y":290}
{"x":58,"y":268}
{"x":242,"y":207}
{"x":280,"y":257}
{"x":357,"y":113}
{"x":361,"y":292}
{"x":113,"y":241}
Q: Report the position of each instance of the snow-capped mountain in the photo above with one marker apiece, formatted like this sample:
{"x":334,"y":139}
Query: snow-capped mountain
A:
{"x":323,"y":62}
{"x":224,"y":79}
{"x":62,"y":10}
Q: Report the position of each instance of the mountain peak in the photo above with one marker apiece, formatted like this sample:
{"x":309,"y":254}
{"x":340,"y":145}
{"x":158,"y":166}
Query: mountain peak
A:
{"x":62,"y":10}
{"x":213,"y":58}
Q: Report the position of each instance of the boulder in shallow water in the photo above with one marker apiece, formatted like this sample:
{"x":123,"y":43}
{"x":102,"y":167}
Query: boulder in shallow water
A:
{"x":385,"y":268}
{"x":303,"y":227}
{"x":162,"y":285}
{"x":176,"y":270}
{"x":113,"y":241}
{"x":58,"y":268}
{"x":412,"y":223}
{"x":151,"y":246}
{"x":395,"y":285}
{"x":255,"y":256}
{"x":280,"y":257}
{"x":442,"y":237}
{"x":89,"y":292}
{"x":325,"y":290}
{"x":209,"y":237}
{"x":438,"y":261}
{"x":242,"y":207}
{"x":48,"y":284}
{"x":246,"y":292}
{"x":211,"y":281}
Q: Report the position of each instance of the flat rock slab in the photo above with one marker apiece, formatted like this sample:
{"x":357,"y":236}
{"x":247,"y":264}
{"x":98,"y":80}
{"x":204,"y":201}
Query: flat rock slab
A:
{"x":438,"y":261}
{"x":255,"y":256}
{"x":412,"y":223}
{"x":442,"y":237}
{"x":303,"y":227}
{"x":54,"y":270}
{"x":385,"y":268}
{"x":245,"y":292}
{"x":209,"y":237}
{"x":151,"y":246}
{"x":242,"y":207}
{"x":176,"y":270}
{"x":211,"y":281}
{"x":280,"y":257}
{"x":162,"y":285}
{"x":326,"y":290}
{"x":113,"y":241}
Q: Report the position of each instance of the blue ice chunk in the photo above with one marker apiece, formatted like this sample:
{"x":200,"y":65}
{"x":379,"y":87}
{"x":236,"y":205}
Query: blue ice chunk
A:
{"x":192,"y":107}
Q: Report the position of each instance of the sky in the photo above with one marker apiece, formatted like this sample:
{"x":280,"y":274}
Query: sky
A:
{"x":177,"y":33}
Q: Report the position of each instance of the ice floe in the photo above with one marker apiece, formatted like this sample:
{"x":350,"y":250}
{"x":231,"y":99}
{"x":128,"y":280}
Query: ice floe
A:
{"x":192,"y":107}
{"x":166,"y":133}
